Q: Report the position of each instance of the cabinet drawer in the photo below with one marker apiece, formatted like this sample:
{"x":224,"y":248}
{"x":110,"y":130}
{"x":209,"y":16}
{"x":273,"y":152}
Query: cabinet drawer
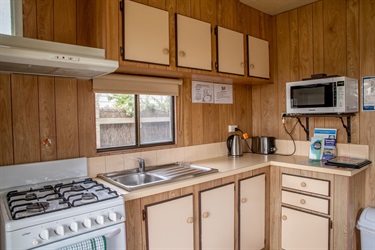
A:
{"x":305,"y":201}
{"x":306,"y":184}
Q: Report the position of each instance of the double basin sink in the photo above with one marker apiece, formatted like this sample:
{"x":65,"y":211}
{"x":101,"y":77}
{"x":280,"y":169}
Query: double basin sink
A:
{"x":134,"y":179}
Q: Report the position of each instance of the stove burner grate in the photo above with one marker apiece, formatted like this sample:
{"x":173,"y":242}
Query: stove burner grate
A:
{"x":37,"y":206}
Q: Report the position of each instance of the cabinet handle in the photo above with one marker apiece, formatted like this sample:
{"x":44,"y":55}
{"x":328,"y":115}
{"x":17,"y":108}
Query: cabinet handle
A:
{"x":181,"y":53}
{"x":284,"y":217}
{"x":165,"y":51}
{"x":243,"y":200}
{"x":302,"y":201}
{"x":252,"y":66}
{"x":242,"y":64}
{"x":303,"y":184}
{"x":190,"y":220}
{"x":205,"y":215}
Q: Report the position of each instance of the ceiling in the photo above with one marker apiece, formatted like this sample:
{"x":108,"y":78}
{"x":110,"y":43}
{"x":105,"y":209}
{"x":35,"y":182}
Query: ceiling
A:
{"x":274,"y":7}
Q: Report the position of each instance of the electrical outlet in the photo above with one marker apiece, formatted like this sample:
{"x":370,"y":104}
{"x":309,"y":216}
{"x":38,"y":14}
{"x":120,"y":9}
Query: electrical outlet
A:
{"x":231,"y":128}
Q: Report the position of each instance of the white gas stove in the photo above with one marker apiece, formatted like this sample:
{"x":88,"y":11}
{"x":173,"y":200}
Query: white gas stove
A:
{"x":51,"y":205}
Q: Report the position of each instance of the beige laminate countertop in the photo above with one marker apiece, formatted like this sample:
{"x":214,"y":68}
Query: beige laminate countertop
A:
{"x":228,"y":166}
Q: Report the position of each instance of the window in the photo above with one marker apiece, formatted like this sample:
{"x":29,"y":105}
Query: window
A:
{"x":11,"y":17}
{"x":134,"y":112}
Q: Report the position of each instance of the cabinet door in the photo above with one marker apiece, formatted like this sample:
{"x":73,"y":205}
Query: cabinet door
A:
{"x":259,"y":62}
{"x":146,"y":33}
{"x":193,"y":43}
{"x":230,"y":51}
{"x":217,"y":218}
{"x":252,"y":212}
{"x":170,"y":224}
{"x":302,"y":230}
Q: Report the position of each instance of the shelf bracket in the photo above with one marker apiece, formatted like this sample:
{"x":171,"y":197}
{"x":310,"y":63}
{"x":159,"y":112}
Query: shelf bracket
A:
{"x":306,"y":129}
{"x":347,"y":128}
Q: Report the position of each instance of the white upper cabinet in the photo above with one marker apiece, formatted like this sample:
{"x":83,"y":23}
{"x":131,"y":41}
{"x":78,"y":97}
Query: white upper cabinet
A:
{"x":230,"y":51}
{"x":193,"y":43}
{"x":146,"y":33}
{"x":259,"y":63}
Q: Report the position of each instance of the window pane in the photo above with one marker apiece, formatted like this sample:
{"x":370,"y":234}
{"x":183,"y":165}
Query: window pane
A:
{"x":11,"y":17}
{"x":115,"y":120}
{"x":156,"y":118}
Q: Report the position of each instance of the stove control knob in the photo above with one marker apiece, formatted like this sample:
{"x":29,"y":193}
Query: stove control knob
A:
{"x":87,"y":223}
{"x":60,"y":230}
{"x":35,"y":242}
{"x":74,"y":226}
{"x":44,"y":235}
{"x":100,"y":220}
{"x":112,"y":216}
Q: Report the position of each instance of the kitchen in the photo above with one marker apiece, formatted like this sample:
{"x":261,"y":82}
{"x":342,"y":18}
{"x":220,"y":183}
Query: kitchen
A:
{"x":303,"y":41}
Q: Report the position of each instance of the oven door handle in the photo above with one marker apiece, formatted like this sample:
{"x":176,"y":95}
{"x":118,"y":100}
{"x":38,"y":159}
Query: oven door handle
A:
{"x":112,"y":234}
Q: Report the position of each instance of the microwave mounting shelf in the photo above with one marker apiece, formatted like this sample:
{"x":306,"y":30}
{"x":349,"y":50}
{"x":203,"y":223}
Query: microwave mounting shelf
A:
{"x":347,"y":127}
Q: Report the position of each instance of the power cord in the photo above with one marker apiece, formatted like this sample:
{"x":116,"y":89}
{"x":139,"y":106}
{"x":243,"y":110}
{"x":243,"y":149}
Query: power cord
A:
{"x":290,"y":134}
{"x":243,"y":134}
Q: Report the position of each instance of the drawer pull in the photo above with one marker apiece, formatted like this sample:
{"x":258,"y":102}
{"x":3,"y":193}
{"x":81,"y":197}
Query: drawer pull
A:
{"x":252,"y":66}
{"x":284,"y":217}
{"x":165,"y":51}
{"x":303,"y":184}
{"x":190,"y":220}
{"x":243,"y":200}
{"x":302,"y":201}
{"x":205,"y":215}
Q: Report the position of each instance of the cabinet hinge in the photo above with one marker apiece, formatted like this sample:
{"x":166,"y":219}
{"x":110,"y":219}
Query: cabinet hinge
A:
{"x":122,"y":51}
{"x":216,"y":65}
{"x":122,"y":6}
{"x":215,"y":30}
{"x":331,"y":224}
{"x":144,"y":214}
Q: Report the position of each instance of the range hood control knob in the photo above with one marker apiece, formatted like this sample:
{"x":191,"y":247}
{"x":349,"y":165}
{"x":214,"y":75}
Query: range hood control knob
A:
{"x":87,"y":223}
{"x":44,"y":235}
{"x":112,"y":216}
{"x":74,"y":227}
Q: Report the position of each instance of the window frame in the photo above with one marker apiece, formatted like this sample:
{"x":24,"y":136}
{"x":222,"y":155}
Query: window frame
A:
{"x":138,"y":144}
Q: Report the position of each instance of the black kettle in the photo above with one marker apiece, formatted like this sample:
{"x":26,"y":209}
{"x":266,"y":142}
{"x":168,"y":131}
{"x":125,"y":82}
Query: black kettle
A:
{"x":234,"y":146}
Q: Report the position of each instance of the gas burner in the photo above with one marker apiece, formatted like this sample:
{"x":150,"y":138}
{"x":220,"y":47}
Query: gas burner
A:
{"x":88,"y":196}
{"x":31,"y":196}
{"x":37,"y":206}
{"x":77,"y":188}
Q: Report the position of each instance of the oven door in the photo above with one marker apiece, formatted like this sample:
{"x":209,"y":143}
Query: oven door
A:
{"x":115,"y":238}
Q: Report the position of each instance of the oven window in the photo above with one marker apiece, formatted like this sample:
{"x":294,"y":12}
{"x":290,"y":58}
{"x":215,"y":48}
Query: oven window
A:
{"x":125,"y":121}
{"x":312,"y":96}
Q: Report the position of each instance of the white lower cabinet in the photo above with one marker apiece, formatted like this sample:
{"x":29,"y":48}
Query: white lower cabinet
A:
{"x":301,"y":230}
{"x":252,"y":193}
{"x":217,"y":218}
{"x":170,"y":224}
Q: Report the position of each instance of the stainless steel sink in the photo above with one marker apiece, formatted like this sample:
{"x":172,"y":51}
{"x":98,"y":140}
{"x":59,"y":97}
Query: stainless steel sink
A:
{"x":133,"y":179}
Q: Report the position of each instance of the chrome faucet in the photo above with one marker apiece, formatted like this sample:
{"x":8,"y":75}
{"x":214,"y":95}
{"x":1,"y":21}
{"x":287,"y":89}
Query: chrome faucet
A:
{"x":141,"y":165}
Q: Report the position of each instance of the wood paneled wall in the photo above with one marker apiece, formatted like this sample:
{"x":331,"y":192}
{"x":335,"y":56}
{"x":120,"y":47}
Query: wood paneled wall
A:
{"x":49,"y":118}
{"x":328,"y":36}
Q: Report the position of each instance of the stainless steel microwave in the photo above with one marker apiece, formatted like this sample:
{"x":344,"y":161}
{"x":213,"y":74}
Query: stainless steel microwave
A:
{"x":320,"y":96}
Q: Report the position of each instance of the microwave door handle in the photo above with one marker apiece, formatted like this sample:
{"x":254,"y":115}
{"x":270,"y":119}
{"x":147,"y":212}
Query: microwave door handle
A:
{"x":112,"y":234}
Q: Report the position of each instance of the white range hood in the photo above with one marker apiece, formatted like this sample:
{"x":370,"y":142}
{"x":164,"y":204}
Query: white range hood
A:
{"x":38,"y":57}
